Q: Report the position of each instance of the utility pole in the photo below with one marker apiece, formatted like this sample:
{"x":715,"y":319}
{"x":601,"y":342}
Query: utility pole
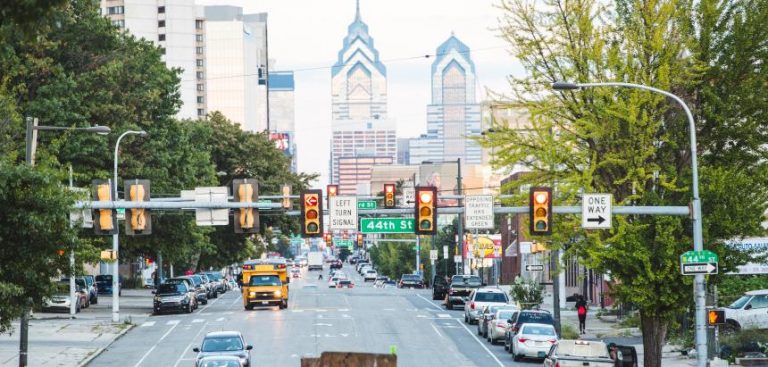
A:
{"x":418,"y":254}
{"x":460,"y":230}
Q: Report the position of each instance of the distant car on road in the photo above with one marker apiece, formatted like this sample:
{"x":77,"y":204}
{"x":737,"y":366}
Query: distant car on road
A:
{"x":174,"y":296}
{"x":439,"y":287}
{"x":219,"y":361}
{"x":411,"y":281}
{"x":104,"y":284}
{"x":345,"y":283}
{"x":460,"y":288}
{"x":224,"y":343}
{"x":370,"y":274}
{"x":480,"y":298}
{"x":524,"y":317}
{"x":336,"y":264}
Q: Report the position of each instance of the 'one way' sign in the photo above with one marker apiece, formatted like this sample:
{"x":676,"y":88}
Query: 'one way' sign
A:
{"x":596,"y":211}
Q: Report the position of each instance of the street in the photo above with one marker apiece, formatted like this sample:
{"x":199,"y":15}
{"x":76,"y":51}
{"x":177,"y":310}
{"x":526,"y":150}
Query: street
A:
{"x":362,"y":319}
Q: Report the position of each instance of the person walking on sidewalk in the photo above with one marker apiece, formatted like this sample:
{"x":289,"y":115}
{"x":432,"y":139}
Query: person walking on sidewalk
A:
{"x":581,"y":310}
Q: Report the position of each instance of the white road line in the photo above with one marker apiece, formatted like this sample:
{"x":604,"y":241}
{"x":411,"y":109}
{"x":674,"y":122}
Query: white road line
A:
{"x":197,"y":321}
{"x":294,"y":310}
{"x":175,"y":324}
{"x":430,"y":303}
{"x":437,"y":331}
{"x":239,"y":295}
{"x":220,"y":319}
{"x":181,"y":357}
{"x":480,"y":342}
{"x":444,"y":315}
{"x":148,"y":323}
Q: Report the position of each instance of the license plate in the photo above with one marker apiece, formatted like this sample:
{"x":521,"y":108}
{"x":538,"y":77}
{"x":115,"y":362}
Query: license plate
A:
{"x":264,"y":302}
{"x":539,"y":343}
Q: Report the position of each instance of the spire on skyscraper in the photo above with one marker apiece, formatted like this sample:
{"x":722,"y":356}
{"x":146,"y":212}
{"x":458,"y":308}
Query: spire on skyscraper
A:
{"x":357,"y":11}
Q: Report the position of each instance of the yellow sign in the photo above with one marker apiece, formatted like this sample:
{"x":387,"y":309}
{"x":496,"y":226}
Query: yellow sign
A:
{"x":108,"y":255}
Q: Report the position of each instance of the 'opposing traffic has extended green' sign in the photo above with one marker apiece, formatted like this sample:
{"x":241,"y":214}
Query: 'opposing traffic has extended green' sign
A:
{"x":387,"y":225}
{"x":366,"y":204}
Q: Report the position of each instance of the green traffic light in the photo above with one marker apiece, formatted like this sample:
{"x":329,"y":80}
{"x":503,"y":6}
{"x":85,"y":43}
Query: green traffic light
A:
{"x":425,"y":224}
{"x":541,"y":225}
{"x":312,"y":227}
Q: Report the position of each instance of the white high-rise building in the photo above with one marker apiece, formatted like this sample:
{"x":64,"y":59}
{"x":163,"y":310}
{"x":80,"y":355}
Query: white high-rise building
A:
{"x":359,"y":123}
{"x":170,"y":24}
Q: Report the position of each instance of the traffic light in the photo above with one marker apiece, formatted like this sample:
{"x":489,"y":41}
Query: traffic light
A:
{"x":360,"y":240}
{"x":140,"y":221}
{"x":541,"y":211}
{"x":389,"y":196}
{"x":287,"y":197}
{"x":105,"y":220}
{"x":312,"y":213}
{"x":246,"y":190}
{"x":715,"y":317}
{"x":332,"y":190}
{"x":426,"y":215}
{"x":537,"y":247}
{"x":328,"y":239}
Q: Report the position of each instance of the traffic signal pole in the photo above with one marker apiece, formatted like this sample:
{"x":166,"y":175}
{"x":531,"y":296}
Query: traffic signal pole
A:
{"x":460,"y":225}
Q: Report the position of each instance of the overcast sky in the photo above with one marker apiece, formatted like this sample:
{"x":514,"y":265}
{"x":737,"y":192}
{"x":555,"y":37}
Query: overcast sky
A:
{"x":305,"y":36}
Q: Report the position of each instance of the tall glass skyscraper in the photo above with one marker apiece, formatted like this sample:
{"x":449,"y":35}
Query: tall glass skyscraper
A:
{"x":359,"y":123}
{"x":454,"y":114}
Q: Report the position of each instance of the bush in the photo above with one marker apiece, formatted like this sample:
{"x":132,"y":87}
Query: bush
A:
{"x":632,"y":320}
{"x":745,"y":341}
{"x":568,"y":332}
{"x":528,"y":293}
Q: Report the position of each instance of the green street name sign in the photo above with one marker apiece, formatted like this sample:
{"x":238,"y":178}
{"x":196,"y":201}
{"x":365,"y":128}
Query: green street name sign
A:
{"x":387,"y":225}
{"x":343,"y":243}
{"x":705,"y":256}
{"x":366,"y":204}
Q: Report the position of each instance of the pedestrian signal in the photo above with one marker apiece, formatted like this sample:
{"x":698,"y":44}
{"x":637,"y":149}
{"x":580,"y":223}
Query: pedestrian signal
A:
{"x":715,"y":317}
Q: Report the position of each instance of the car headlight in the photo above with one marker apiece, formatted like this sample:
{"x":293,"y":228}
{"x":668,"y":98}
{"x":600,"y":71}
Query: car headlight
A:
{"x":158,"y":299}
{"x":252,"y":294}
{"x":278,"y":293}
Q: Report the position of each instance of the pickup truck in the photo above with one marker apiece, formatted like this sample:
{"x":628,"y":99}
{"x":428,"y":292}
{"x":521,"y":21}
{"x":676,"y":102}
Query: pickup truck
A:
{"x":460,"y":288}
{"x":581,"y":353}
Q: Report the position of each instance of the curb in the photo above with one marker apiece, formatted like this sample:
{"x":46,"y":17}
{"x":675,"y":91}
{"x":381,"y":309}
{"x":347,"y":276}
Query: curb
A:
{"x":101,"y":350}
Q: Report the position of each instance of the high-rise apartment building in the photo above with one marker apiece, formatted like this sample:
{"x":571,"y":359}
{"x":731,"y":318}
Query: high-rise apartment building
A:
{"x":453,"y":117}
{"x":171,"y":25}
{"x":282,"y":113}
{"x":360,"y":126}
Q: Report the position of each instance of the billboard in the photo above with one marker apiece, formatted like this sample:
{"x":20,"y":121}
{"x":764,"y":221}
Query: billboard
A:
{"x":483,"y":246}
{"x":757,"y":245}
{"x":283,"y":141}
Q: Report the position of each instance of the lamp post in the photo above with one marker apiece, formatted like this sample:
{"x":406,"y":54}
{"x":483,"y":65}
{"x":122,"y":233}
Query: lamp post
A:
{"x":460,"y":226}
{"x":29,"y":158}
{"x":115,"y":243}
{"x":698,"y":241}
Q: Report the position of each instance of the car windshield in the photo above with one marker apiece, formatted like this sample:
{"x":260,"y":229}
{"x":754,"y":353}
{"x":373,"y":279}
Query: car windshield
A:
{"x":535,"y":318}
{"x":739,"y":303}
{"x":538,"y":330}
{"x":104,"y":278}
{"x":505,"y":315}
{"x":171,"y":288}
{"x":466,"y":280}
{"x":413,"y":277}
{"x":219,"y":363}
{"x":344,"y":282}
{"x":264,"y":280}
{"x":222,"y":344}
{"x":490,"y":297}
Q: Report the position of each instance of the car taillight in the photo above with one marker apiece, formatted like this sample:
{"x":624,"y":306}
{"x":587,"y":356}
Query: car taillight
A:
{"x":501,"y":324}
{"x":522,"y":340}
{"x":472,"y":305}
{"x":553,"y":341}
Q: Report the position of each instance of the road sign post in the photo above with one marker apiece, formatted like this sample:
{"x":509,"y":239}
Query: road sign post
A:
{"x":342,"y":212}
{"x":478,"y":211}
{"x":433,"y":255}
{"x":387,"y":225}
{"x":596,"y":211}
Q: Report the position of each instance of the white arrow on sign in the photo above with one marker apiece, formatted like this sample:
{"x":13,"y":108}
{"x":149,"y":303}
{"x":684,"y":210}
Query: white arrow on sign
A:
{"x":699,"y":268}
{"x":596,"y":211}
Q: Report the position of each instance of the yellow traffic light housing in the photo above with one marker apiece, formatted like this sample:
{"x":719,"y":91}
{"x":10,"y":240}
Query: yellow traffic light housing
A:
{"x":360,"y":240}
{"x":287,"y":204}
{"x":540,"y":211}
{"x":426,"y":215}
{"x":312,"y":213}
{"x":246,"y":190}
{"x":328,"y":239}
{"x":389,"y":196}
{"x":104,"y":220}
{"x":140,"y":220}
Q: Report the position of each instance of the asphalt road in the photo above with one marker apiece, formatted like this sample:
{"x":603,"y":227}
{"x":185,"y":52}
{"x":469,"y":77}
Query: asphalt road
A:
{"x":362,"y":319}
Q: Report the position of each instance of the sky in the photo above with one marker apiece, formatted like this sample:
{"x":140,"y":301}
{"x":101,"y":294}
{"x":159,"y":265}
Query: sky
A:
{"x":306,"y":35}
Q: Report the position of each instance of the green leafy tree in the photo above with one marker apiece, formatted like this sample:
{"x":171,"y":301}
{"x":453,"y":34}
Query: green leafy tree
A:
{"x":528,"y":293}
{"x":631,"y":143}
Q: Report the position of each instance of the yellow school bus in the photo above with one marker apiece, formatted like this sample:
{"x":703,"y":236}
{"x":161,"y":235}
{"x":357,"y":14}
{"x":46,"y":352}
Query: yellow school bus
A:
{"x":265,"y":283}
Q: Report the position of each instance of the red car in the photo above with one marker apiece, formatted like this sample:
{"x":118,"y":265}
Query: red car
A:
{"x":336,"y":264}
{"x":345,"y":283}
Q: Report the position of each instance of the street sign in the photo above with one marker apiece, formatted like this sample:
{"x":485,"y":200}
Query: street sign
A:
{"x":433,"y":255}
{"x":445,"y":252}
{"x":478,"y":211}
{"x":343,"y":243}
{"x":367,"y":204}
{"x":409,"y":197}
{"x":699,"y":268}
{"x":596,"y":211}
{"x":212,"y":217}
{"x":534,"y":268}
{"x":342,"y":211}
{"x":457,"y":258}
{"x":386,"y":225}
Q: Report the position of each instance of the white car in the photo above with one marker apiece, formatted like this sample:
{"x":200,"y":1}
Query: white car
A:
{"x":332,"y":282}
{"x":748,"y":312}
{"x":370,"y":274}
{"x":498,"y":324}
{"x":479,"y":299}
{"x":533,"y":341}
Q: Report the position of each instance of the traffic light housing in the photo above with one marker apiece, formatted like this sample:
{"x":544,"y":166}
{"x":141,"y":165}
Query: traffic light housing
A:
{"x":287,"y":204}
{"x":246,"y":190}
{"x":540,"y":205}
{"x":426,"y":215}
{"x":715,"y":317}
{"x":312,"y":213}
{"x":360,"y":240}
{"x":104,"y":220}
{"x":332,"y":190}
{"x":389,"y":196}
{"x":139,"y":221}
{"x":328,"y":239}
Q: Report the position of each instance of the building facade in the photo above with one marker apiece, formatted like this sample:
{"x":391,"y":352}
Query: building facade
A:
{"x":453,"y":117}
{"x":282,"y":115}
{"x":172,"y":26}
{"x":354,"y":139}
{"x":355,"y":173}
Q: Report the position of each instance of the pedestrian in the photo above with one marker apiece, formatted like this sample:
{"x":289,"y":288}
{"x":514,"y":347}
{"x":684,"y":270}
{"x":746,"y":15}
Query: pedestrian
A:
{"x":581,"y":310}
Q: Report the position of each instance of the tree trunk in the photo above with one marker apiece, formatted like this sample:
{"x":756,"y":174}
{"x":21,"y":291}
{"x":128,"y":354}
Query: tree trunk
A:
{"x":654,"y":330}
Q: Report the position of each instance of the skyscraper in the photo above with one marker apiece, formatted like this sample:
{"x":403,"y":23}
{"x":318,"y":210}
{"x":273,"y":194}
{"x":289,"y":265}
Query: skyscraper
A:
{"x":454,"y":114}
{"x":360,"y":127}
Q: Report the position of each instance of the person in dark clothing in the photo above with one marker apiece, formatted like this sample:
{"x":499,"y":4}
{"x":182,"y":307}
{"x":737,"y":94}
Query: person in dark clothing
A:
{"x":581,"y":310}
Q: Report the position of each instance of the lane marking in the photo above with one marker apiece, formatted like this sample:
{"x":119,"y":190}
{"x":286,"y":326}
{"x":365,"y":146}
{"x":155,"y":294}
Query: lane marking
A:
{"x":220,"y":319}
{"x":294,"y":310}
{"x":197,"y":321}
{"x":181,"y":357}
{"x":480,"y":342}
{"x":444,"y":315}
{"x":437,"y":331}
{"x":175,"y":323}
{"x":321,"y":324}
{"x":148,"y":323}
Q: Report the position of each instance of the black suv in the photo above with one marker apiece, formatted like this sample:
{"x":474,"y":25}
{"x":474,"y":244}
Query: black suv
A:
{"x":410,"y":281}
{"x":461,"y":287}
{"x":525,"y":317}
{"x":174,"y":296}
{"x":439,"y":287}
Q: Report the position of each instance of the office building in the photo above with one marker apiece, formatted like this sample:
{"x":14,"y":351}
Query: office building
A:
{"x":282,"y":113}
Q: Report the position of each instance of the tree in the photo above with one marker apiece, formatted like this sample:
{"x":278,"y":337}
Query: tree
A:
{"x":631,"y":143}
{"x":528,"y":293}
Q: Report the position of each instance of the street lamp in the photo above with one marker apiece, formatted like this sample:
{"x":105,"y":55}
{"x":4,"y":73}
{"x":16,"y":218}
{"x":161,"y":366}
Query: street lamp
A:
{"x":115,"y":243}
{"x":698,"y":241}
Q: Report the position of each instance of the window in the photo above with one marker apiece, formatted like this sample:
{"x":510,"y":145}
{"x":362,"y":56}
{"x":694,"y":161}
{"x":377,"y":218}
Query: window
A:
{"x":119,"y":23}
{"x":161,"y":37}
{"x":200,"y":112}
{"x":200,"y":63}
{"x":760,"y":301}
{"x":199,"y":50}
{"x":265,"y":280}
{"x":200,"y":99}
{"x":162,"y":50}
{"x":160,"y":23}
{"x":161,"y":9}
{"x":199,"y":38}
{"x":115,"y":10}
{"x":490,"y":297}
{"x":198,"y":24}
{"x":200,"y":88}
{"x":200,"y":75}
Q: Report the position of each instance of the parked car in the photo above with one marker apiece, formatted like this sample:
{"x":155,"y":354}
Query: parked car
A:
{"x":439,"y":287}
{"x":217,"y":280}
{"x":345,"y":283}
{"x":93,"y":288}
{"x":750,"y":311}
{"x":480,"y":298}
{"x":210,"y":286}
{"x":60,"y":300}
{"x":571,"y":353}
{"x":499,"y":324}
{"x":370,"y":274}
{"x":460,"y":288}
{"x":521,"y":318}
{"x":411,"y":281}
{"x":533,"y":341}
{"x":174,"y":296}
{"x":104,"y":284}
{"x":82,"y":288}
{"x":488,"y":316}
{"x":195,"y":283}
{"x":224,"y":343}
